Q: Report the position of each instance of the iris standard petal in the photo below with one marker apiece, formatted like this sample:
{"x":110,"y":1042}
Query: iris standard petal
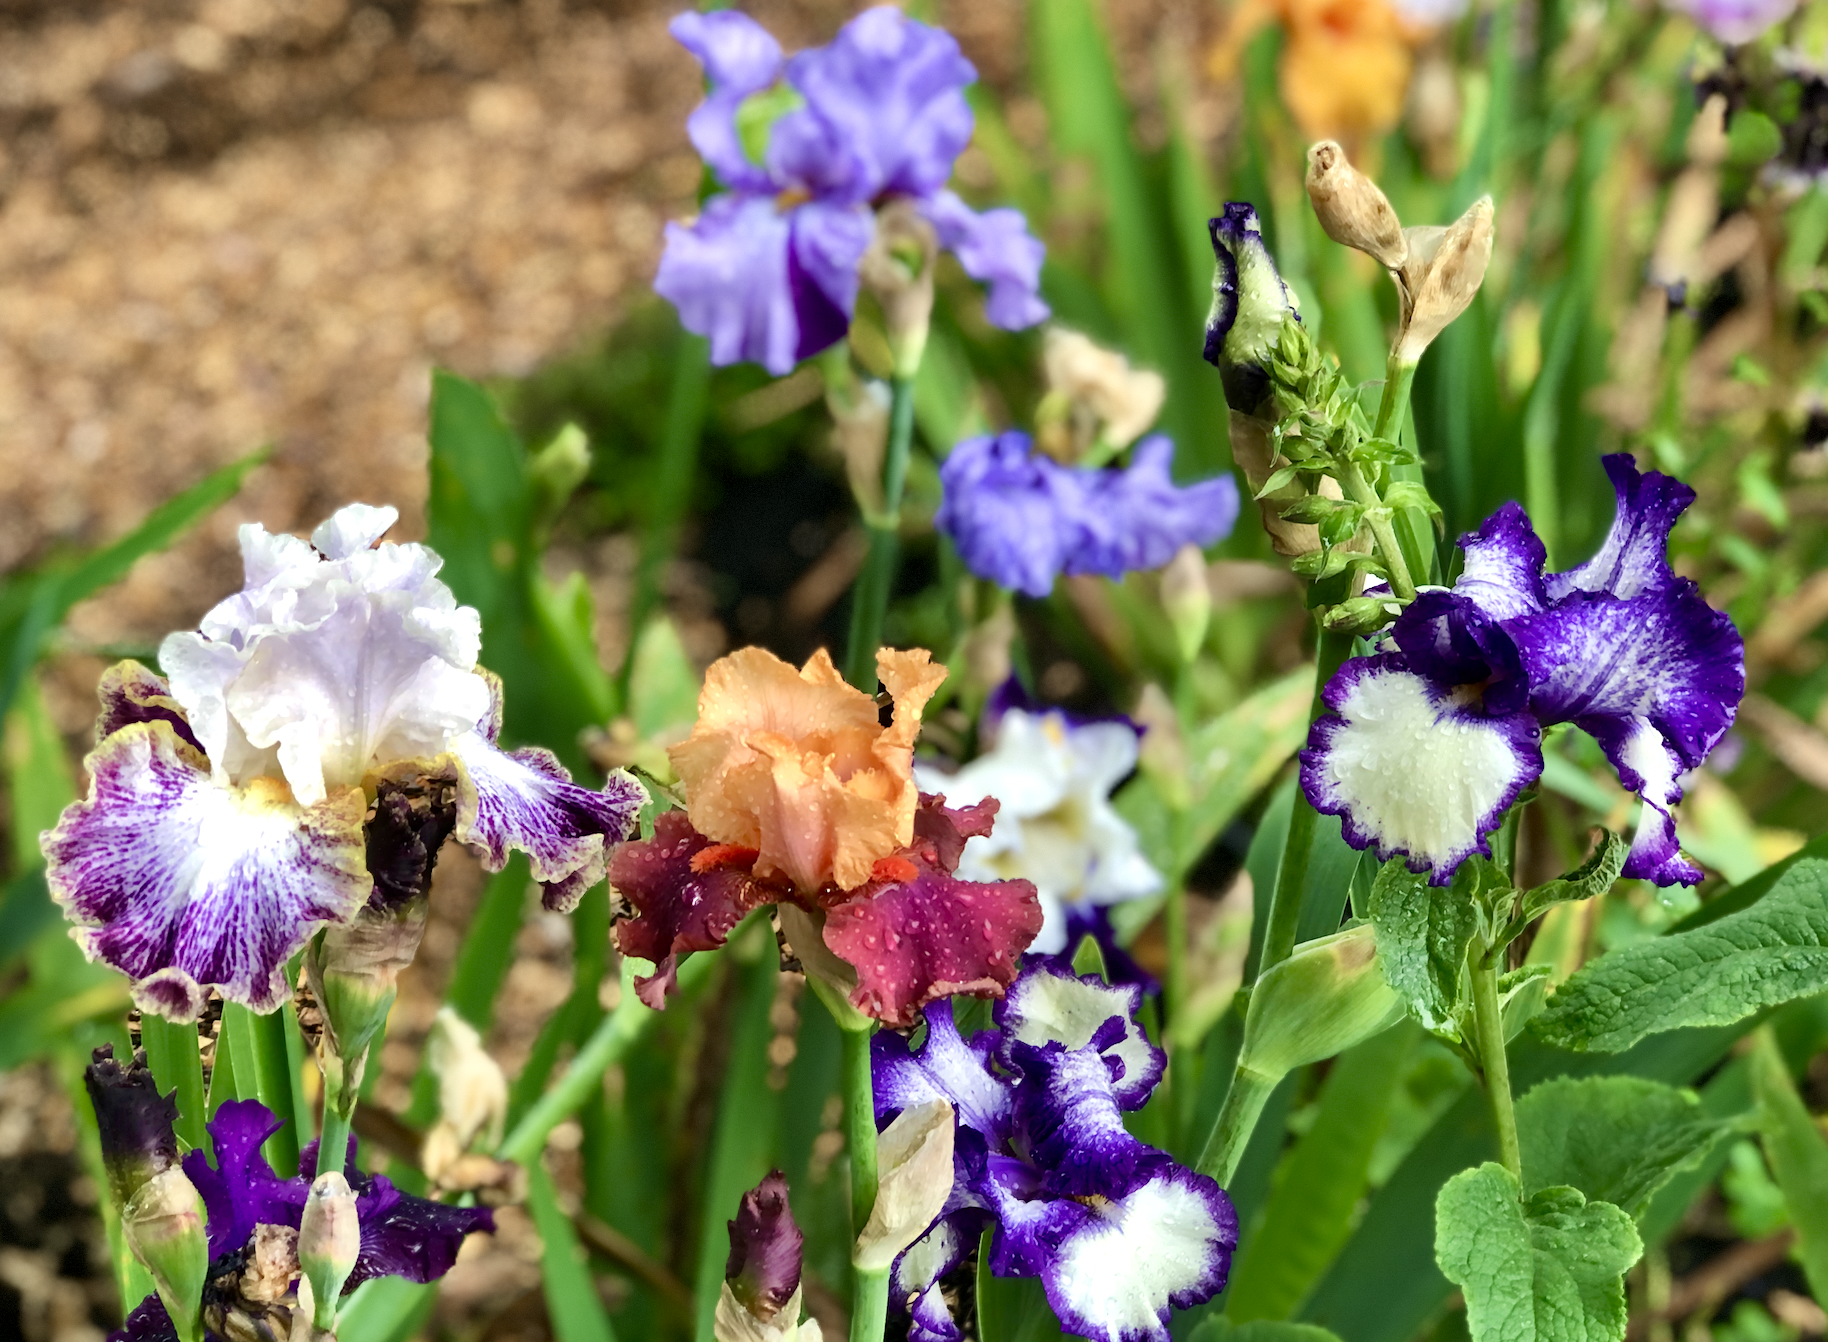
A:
{"x":739,"y":57}
{"x":1051,"y":1004}
{"x":1503,"y":570}
{"x":996,"y":249}
{"x":944,"y":1067}
{"x":1071,"y":1122}
{"x":525,"y":799}
{"x":183,"y":885}
{"x":1412,"y":767}
{"x":1634,"y":557}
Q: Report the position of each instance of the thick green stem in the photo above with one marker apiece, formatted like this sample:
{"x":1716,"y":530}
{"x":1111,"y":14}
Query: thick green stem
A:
{"x":1291,"y":876}
{"x":870,"y":1305}
{"x":869,"y":1289}
{"x":1399,"y":380}
{"x":1354,"y":482}
{"x":870,"y":596}
{"x":1488,"y":1019}
{"x":1244,"y":1102}
{"x":333,"y":1142}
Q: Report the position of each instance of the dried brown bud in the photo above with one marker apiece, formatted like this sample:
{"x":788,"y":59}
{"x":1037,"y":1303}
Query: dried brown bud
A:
{"x":1100,"y":396}
{"x":1445,"y":268}
{"x":1351,"y":208}
{"x":898,"y":270}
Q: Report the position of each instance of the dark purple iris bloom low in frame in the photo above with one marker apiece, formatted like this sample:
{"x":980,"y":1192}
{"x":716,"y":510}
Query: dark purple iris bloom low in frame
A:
{"x":1426,"y":744}
{"x":1020,"y":518}
{"x":1119,"y":1234}
{"x":768,"y":270}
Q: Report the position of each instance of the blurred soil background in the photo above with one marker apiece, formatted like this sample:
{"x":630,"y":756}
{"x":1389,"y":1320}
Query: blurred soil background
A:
{"x":229,"y":223}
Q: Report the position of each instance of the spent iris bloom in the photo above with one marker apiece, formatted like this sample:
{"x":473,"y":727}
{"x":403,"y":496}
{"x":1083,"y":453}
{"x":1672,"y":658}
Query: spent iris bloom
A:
{"x":1020,"y":518}
{"x":1056,"y":826}
{"x":1118,"y":1233}
{"x":1425,"y":746}
{"x":796,"y":794}
{"x":262,"y":792}
{"x":769,"y":269}
{"x":253,"y":1216}
{"x":1735,"y":21}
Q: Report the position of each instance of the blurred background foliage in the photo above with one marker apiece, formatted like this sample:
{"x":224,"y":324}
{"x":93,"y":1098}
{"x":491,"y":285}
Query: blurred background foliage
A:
{"x":1658,"y":287}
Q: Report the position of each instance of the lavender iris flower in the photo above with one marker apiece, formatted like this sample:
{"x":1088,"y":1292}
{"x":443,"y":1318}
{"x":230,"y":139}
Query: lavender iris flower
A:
{"x":1424,"y":747}
{"x":768,"y":270}
{"x":1735,"y":21}
{"x":1021,"y":519}
{"x":1119,"y":1233}
{"x":402,"y":1235}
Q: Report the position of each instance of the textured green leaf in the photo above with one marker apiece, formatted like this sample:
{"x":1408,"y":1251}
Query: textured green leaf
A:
{"x":1798,"y":1155}
{"x":1222,"y":1329}
{"x":1617,"y":1139}
{"x":1722,"y":972}
{"x":1549,"y":1270}
{"x":1422,"y":935}
{"x":1593,"y":877}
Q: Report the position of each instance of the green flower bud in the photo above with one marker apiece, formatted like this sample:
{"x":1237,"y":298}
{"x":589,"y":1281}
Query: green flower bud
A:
{"x":163,"y":1226}
{"x":1249,"y":303}
{"x":329,"y":1238}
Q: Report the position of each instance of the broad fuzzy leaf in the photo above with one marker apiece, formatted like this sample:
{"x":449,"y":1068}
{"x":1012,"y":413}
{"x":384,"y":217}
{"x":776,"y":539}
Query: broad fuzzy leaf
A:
{"x":1617,"y":1139}
{"x":1549,"y":1270}
{"x":1593,"y":877}
{"x":1422,"y":935}
{"x":1773,"y":952}
{"x":1799,"y":1158}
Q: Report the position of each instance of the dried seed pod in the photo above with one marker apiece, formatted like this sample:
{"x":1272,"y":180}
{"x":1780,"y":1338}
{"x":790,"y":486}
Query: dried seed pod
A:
{"x":1352,"y":209}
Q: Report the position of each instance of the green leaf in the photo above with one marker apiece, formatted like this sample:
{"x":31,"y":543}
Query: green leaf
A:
{"x":571,"y":1294}
{"x":1617,"y":1139}
{"x":1798,"y":1154}
{"x":1220,"y":1328}
{"x":1011,"y":1309}
{"x":1549,"y":1270}
{"x":386,"y":1309}
{"x":662,"y":682}
{"x":1422,"y":935}
{"x":1593,"y":877}
{"x":1309,"y":1214}
{"x":1279,"y":477}
{"x":1716,"y":974}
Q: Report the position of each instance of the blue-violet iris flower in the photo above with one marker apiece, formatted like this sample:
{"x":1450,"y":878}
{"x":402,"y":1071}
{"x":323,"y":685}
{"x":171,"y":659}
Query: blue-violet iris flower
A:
{"x":1020,"y":518}
{"x":401,"y":1235}
{"x":768,"y":270}
{"x":232,"y":809}
{"x":1423,"y":748}
{"x":1119,"y":1234}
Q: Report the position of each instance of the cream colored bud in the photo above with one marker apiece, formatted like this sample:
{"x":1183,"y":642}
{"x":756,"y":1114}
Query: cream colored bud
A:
{"x":163,"y":1226}
{"x":1106,"y":399}
{"x":1445,"y":268}
{"x":329,"y":1240}
{"x":914,"y":1155}
{"x":860,"y":428}
{"x":898,"y":270}
{"x":1351,"y":208}
{"x":472,"y":1092}
{"x":1187,"y":598}
{"x":733,"y":1323}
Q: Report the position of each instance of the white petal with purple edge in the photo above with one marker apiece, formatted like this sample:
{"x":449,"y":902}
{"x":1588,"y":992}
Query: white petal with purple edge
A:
{"x":1410,"y":768}
{"x":525,"y":799}
{"x":931,"y":1319}
{"x":181,"y":884}
{"x":1650,"y":767}
{"x":1049,"y":1003}
{"x":1120,"y":1272}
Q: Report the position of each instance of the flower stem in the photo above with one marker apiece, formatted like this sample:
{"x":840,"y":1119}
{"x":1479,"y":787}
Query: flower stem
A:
{"x":177,"y":1064}
{"x":1354,"y":482}
{"x":1399,"y":380}
{"x":869,"y":1288}
{"x":870,"y":596}
{"x":1488,"y":1021}
{"x":1244,"y":1102}
{"x":333,"y":1143}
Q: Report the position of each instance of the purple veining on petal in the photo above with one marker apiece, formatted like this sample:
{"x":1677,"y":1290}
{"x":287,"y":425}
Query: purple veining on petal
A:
{"x":525,"y":799}
{"x":1648,"y":765}
{"x":181,"y":884}
{"x":739,"y":57}
{"x":1051,"y":1004}
{"x":1067,"y":1109}
{"x":1634,"y":557}
{"x":929,"y":1318}
{"x":130,"y":693}
{"x":947,"y":1067}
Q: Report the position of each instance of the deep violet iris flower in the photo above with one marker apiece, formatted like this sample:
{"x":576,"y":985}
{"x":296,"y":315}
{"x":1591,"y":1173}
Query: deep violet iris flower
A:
{"x":768,"y":270}
{"x":258,"y":794}
{"x":1119,"y":1233}
{"x":1425,"y":746}
{"x":1020,"y":518}
{"x":402,"y":1235}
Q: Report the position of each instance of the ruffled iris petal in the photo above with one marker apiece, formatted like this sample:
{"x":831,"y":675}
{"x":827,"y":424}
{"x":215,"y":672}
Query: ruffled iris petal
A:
{"x":1013,"y":515}
{"x":406,"y":1236}
{"x":996,"y":249}
{"x":1051,"y":1004}
{"x":239,"y":1189}
{"x":1139,"y":517}
{"x":1634,"y":558}
{"x":1650,"y":767}
{"x":183,"y":885}
{"x":525,"y":799}
{"x":1067,"y":1108}
{"x":739,"y":57}
{"x":727,"y":274}
{"x":130,"y":693}
{"x":944,"y":1067}
{"x":1411,"y":766}
{"x":1503,"y":571}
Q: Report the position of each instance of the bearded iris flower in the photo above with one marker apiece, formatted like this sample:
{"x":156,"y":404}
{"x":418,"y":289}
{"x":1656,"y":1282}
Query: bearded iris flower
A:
{"x":258,"y":794}
{"x":1118,"y":1233}
{"x":768,"y":270}
{"x":1020,"y":518}
{"x":1425,"y":746}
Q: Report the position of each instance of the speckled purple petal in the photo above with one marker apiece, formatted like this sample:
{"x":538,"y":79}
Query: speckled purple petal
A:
{"x":739,"y":57}
{"x":1068,"y":1115}
{"x":1051,"y":1004}
{"x":181,"y":884}
{"x":894,"y":89}
{"x":1503,"y":571}
{"x":239,"y":1189}
{"x":1413,"y":767}
{"x":130,"y":693}
{"x":1666,"y":656}
{"x":996,"y":249}
{"x":946,"y":1067}
{"x":406,"y":1236}
{"x":148,"y":1322}
{"x":1650,"y":767}
{"x":525,"y":799}
{"x":1634,"y":557}
{"x":1449,"y":639}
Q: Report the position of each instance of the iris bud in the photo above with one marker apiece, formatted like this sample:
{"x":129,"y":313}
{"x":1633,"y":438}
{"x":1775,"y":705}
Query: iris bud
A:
{"x":1351,"y":208}
{"x":163,"y":1225}
{"x":1443,"y":272}
{"x":134,"y":1122}
{"x":898,"y":270}
{"x":1326,"y":997}
{"x":1249,"y":303}
{"x":472,"y":1093}
{"x":329,"y":1239}
{"x":760,"y":1301}
{"x":1187,"y":599}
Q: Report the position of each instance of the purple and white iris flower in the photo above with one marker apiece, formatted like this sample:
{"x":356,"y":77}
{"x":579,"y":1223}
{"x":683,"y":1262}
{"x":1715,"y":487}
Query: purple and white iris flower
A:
{"x":768,"y":270}
{"x":401,"y":1235}
{"x":1424,"y":748}
{"x":1056,"y":826}
{"x":1020,"y":518}
{"x":241,"y":805}
{"x":1119,"y":1234}
{"x":1735,"y":21}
